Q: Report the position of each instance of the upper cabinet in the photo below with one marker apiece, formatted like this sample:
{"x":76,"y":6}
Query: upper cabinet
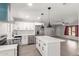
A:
{"x":3,"y":11}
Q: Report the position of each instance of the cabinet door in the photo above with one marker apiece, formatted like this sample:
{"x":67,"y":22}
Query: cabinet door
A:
{"x":37,"y":43}
{"x":9,"y":52}
{"x":24,"y":39}
{"x":44,"y":48}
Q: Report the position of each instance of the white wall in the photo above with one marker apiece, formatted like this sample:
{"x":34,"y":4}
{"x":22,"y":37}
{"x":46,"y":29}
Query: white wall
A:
{"x":3,"y":28}
{"x":6,"y":28}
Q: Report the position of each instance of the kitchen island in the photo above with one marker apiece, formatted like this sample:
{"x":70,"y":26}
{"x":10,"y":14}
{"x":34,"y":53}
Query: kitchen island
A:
{"x":8,"y":50}
{"x":48,"y":46}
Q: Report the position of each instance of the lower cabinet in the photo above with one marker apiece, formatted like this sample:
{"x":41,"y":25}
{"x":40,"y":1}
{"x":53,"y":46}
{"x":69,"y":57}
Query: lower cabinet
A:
{"x":24,"y":39}
{"x":28,"y":39}
{"x":48,"y":48}
{"x":8,"y":50}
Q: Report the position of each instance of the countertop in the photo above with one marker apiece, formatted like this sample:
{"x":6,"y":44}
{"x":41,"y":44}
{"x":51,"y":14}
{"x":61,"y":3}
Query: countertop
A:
{"x":68,"y":38}
{"x":49,"y":39}
{"x":7,"y":47}
{"x":23,"y":34}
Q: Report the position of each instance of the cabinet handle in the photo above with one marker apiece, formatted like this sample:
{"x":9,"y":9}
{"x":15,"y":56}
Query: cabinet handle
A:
{"x":43,"y":48}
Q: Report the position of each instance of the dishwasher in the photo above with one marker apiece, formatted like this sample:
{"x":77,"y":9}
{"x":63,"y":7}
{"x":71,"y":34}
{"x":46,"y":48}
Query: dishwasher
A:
{"x":31,"y":39}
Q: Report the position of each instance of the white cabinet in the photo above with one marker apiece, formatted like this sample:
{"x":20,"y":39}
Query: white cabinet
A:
{"x":48,"y":46}
{"x":8,"y":50}
{"x":24,"y":39}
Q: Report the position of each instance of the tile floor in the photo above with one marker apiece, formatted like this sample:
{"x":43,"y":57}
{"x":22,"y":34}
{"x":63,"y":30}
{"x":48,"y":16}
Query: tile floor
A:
{"x":68,"y":48}
{"x":28,"y":50}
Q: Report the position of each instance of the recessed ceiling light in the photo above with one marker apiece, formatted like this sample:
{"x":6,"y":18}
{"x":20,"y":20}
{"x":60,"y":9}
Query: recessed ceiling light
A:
{"x":64,"y":3}
{"x":38,"y":17}
{"x":29,"y":4}
{"x":27,"y":16}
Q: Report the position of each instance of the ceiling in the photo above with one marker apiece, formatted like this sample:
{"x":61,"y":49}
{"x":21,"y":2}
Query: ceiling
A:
{"x":59,"y":12}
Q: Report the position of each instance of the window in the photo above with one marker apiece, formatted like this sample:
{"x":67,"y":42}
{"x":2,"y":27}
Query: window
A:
{"x":72,"y":30}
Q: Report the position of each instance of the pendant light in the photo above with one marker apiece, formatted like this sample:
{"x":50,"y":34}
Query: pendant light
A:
{"x":49,"y":25}
{"x":42,"y":25}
